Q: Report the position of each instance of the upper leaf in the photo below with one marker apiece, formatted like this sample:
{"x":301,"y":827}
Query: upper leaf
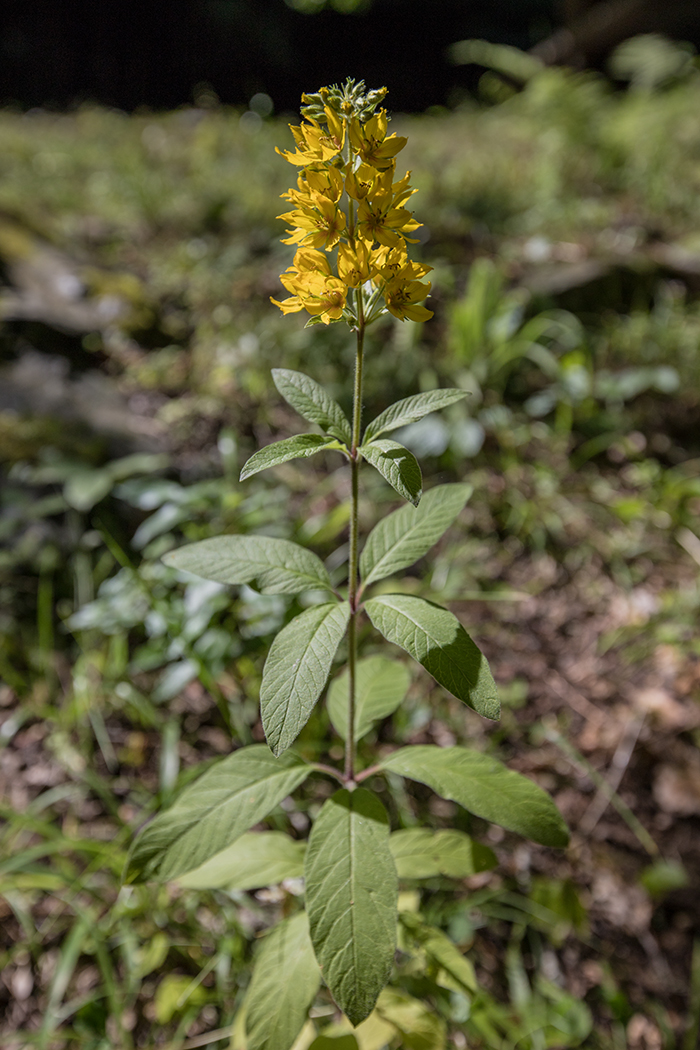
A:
{"x":296,"y":671}
{"x":398,"y":466}
{"x":277,"y":566}
{"x":410,"y":410}
{"x":435,"y":638}
{"x":312,"y":402}
{"x":351,"y":895}
{"x":406,"y":535}
{"x":210,"y":814}
{"x":301,"y":446}
{"x":258,"y":858}
{"x":380,"y":686}
{"x":420,"y":853}
{"x":285,"y":980}
{"x":485,"y":787}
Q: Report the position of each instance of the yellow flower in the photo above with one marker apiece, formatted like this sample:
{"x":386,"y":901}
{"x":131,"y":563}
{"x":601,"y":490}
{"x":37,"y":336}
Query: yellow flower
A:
{"x":313,"y":287}
{"x":353,"y":264}
{"x":378,"y":220}
{"x":370,"y":143}
{"x":389,"y":263}
{"x":317,"y":224}
{"x":315,"y":143}
{"x":359,"y":183}
{"x":326,"y":298}
{"x":312,"y":182}
{"x":401,"y":298}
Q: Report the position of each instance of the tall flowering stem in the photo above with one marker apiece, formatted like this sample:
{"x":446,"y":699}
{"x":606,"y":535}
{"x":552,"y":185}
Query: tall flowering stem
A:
{"x":351,"y":226}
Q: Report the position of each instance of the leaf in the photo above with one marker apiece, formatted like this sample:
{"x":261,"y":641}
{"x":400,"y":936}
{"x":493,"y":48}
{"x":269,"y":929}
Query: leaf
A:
{"x":411,"y":409}
{"x":312,"y":402}
{"x":285,"y":980}
{"x":301,"y":446}
{"x":380,"y":686}
{"x":232,"y":796}
{"x":296,"y":671}
{"x":420,"y":853}
{"x":371,"y":1034}
{"x":258,"y":858}
{"x":441,"y":952}
{"x":398,"y":466}
{"x":485,"y":787}
{"x":421,"y":1028}
{"x":342,"y":1041}
{"x":351,"y":894}
{"x":436,"y":639}
{"x":403,"y":537}
{"x":278,"y":566}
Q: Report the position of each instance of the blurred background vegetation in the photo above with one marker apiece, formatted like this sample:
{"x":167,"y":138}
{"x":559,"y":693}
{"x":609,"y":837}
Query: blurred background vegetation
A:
{"x":137,"y":255}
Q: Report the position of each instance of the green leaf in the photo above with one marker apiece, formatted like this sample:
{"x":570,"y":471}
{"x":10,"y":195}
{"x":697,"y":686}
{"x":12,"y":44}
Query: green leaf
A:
{"x":343,"y":1041}
{"x":436,"y":639}
{"x":285,"y":980}
{"x":420,"y":1027}
{"x":297,"y":669}
{"x":258,"y":858}
{"x":351,"y":895}
{"x":312,"y":402}
{"x":485,"y":787}
{"x":232,"y":796}
{"x":410,"y":410}
{"x":420,"y":853}
{"x":278,"y":566}
{"x":441,"y":952}
{"x":380,"y":686}
{"x":301,"y":446}
{"x":398,"y":466}
{"x":403,"y":537}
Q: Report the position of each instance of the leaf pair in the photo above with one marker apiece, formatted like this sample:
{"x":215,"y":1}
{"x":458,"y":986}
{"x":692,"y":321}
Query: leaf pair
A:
{"x":394,"y":462}
{"x":243,"y":788}
{"x":267,"y":858}
{"x":313,"y":403}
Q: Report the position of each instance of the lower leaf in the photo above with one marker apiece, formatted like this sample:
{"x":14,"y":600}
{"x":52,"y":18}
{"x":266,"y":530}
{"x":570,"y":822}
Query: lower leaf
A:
{"x":285,"y":980}
{"x":351,"y":895}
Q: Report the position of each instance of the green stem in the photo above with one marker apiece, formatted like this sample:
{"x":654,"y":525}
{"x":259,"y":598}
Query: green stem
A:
{"x":354,"y":527}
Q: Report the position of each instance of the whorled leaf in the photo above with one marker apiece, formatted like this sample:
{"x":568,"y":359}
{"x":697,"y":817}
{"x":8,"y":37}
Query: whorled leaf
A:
{"x":301,"y":446}
{"x":277,"y":566}
{"x":485,"y":787}
{"x":410,"y":410}
{"x":296,"y":671}
{"x":351,"y":896}
{"x":285,"y":980}
{"x":312,"y":402}
{"x":380,"y":686}
{"x":403,"y":537}
{"x":436,"y":639}
{"x":398,"y":466}
{"x":210,"y":814}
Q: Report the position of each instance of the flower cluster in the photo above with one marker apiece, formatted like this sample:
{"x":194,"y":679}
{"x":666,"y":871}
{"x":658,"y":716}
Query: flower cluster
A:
{"x":348,"y":216}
